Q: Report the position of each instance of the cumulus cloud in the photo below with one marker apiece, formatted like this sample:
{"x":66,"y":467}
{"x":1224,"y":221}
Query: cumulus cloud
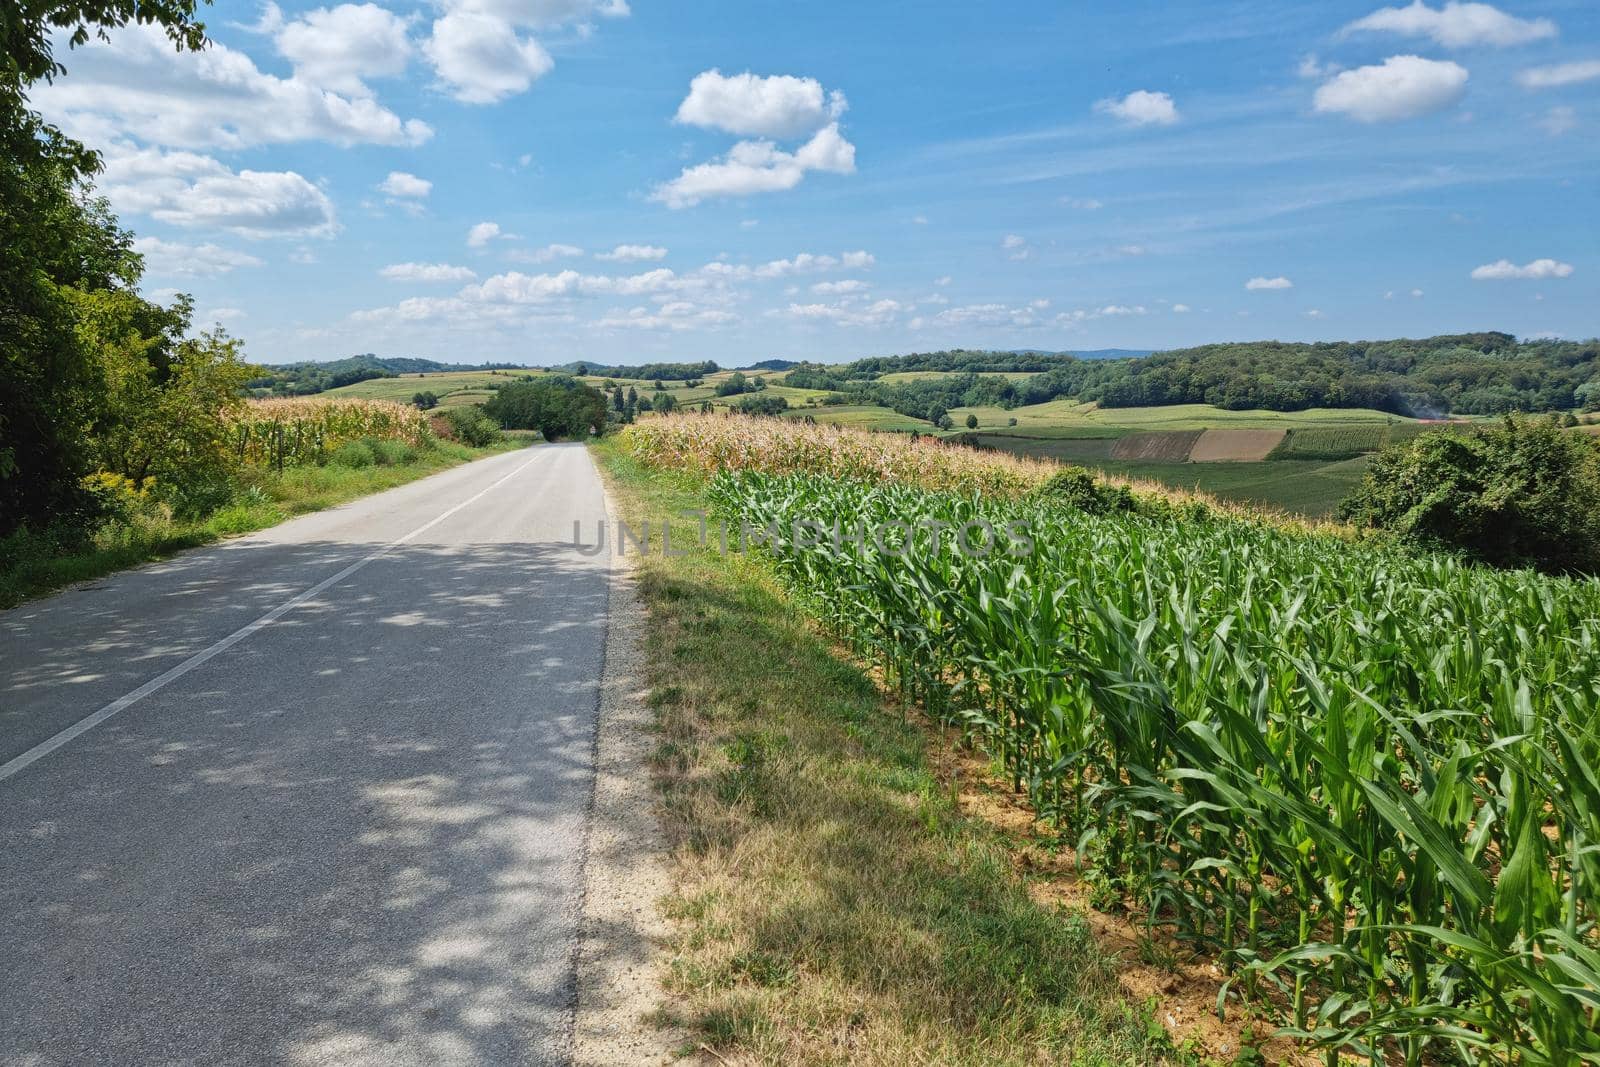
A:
{"x":780,"y":106}
{"x":482,"y":233}
{"x":1015,"y":246}
{"x":1504,"y":269}
{"x":1455,"y":25}
{"x":1559,"y":74}
{"x":192,"y":190}
{"x":341,"y":47}
{"x":479,"y":53}
{"x":138,"y":85}
{"x":845,"y":285}
{"x":1401,"y":87}
{"x":758,"y":167}
{"x":427,"y":272}
{"x":190,"y":261}
{"x":672,"y":315}
{"x":1180,"y":309}
{"x":480,"y":58}
{"x":878,"y":313}
{"x":1279,"y":282}
{"x":1314,"y":313}
{"x":405,"y":186}
{"x":1141,"y":108}
{"x":633,"y":253}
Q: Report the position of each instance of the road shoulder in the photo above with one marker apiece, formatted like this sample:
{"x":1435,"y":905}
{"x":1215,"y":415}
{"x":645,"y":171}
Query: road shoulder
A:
{"x":623,"y":932}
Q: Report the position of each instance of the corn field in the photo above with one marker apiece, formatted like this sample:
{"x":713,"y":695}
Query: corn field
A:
{"x":288,"y":432}
{"x":1367,"y":784}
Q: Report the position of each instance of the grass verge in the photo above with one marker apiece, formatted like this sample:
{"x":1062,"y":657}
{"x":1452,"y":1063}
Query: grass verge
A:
{"x":832,"y":904}
{"x":33,"y":564}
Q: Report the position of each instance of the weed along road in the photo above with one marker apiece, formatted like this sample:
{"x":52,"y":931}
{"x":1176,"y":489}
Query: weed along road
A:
{"x":315,"y":796}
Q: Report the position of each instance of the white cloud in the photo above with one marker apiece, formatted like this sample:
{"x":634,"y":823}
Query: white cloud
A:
{"x":857,"y":260}
{"x":1401,"y":87}
{"x":1082,"y":203}
{"x":190,"y":261}
{"x":1279,"y":282}
{"x":1015,"y":246}
{"x":138,"y":85}
{"x":758,"y":167}
{"x":846,"y":285}
{"x":1180,"y":309}
{"x":1503,"y":269}
{"x":482,"y":233}
{"x":219,"y":315}
{"x":401,"y":185}
{"x":480,"y":58}
{"x":187,"y":189}
{"x":1141,"y":108}
{"x":1559,"y":120}
{"x":943,"y":280}
{"x":427,"y":272}
{"x":780,"y":106}
{"x":339,"y":48}
{"x":1455,"y":25}
{"x":545,"y":254}
{"x":1315,"y":313}
{"x":633,"y":253}
{"x":1559,"y":74}
{"x":1131,"y":250}
{"x":879,"y":313}
{"x":673,"y":315}
{"x":518,"y":288}
{"x":1416,"y":294}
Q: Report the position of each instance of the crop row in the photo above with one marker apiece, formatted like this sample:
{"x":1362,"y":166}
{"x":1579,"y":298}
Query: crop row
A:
{"x":288,"y":432}
{"x":1366,"y":783}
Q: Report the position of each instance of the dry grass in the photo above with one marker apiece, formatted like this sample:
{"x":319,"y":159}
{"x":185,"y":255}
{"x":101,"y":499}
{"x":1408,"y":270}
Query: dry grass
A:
{"x":833,"y":903}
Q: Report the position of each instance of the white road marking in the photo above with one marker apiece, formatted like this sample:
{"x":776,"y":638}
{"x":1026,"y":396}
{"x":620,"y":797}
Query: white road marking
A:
{"x":127,"y":700}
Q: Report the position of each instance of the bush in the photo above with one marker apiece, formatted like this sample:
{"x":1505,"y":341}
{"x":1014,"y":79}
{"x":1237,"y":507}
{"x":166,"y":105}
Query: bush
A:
{"x":472,"y":427}
{"x":1078,"y":488}
{"x":389,"y":453}
{"x":762,"y":405}
{"x":1521,"y":494}
{"x":353,"y":454}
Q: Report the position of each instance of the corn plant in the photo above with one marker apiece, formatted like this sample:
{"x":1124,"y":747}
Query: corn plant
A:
{"x":288,"y":432}
{"x":1367,"y":783}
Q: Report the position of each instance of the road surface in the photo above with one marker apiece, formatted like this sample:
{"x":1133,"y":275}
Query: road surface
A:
{"x":341,"y":818}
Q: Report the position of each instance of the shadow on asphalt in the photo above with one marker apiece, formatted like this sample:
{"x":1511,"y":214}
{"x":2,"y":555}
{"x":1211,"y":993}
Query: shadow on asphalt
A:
{"x":354,"y":837}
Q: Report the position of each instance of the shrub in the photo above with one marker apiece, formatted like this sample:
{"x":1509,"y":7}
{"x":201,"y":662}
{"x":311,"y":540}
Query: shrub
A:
{"x":472,"y":427}
{"x":972,"y":422}
{"x":1520,"y":494}
{"x":762,"y":405}
{"x":1078,"y":488}
{"x":353,"y":454}
{"x":392,"y":453}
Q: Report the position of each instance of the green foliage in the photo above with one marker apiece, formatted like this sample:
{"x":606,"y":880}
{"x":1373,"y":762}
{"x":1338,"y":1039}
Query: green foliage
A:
{"x":307,"y":378}
{"x":556,"y":406}
{"x":353,"y":455}
{"x":675,"y":372}
{"x":734,"y":384}
{"x":1524,"y":493}
{"x":425,"y":401}
{"x":762,"y":404}
{"x":1366,"y":783}
{"x":471,"y":426}
{"x":1078,"y":488}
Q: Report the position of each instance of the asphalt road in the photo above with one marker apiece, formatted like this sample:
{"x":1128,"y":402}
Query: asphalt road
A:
{"x":349,"y":834}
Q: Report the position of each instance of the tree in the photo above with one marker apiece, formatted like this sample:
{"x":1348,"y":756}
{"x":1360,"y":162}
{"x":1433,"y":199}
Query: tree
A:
{"x":1520,"y":494}
{"x":557,"y":406}
{"x":425,"y":401}
{"x":972,"y":422}
{"x":665,"y":402}
{"x":762,"y":405}
{"x":735,"y":384}
{"x":55,"y":236}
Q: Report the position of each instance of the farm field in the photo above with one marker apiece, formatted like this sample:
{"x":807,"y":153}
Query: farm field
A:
{"x":1068,"y":417}
{"x":406,"y":386}
{"x":1321,"y":822}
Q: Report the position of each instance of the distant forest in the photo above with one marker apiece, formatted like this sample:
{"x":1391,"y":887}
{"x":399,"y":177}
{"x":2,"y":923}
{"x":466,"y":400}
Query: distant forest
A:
{"x":1462,"y":374}
{"x":303,"y":379}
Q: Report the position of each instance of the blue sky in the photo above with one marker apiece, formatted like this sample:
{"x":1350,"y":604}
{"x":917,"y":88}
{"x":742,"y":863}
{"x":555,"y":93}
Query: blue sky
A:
{"x":545,"y":180}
